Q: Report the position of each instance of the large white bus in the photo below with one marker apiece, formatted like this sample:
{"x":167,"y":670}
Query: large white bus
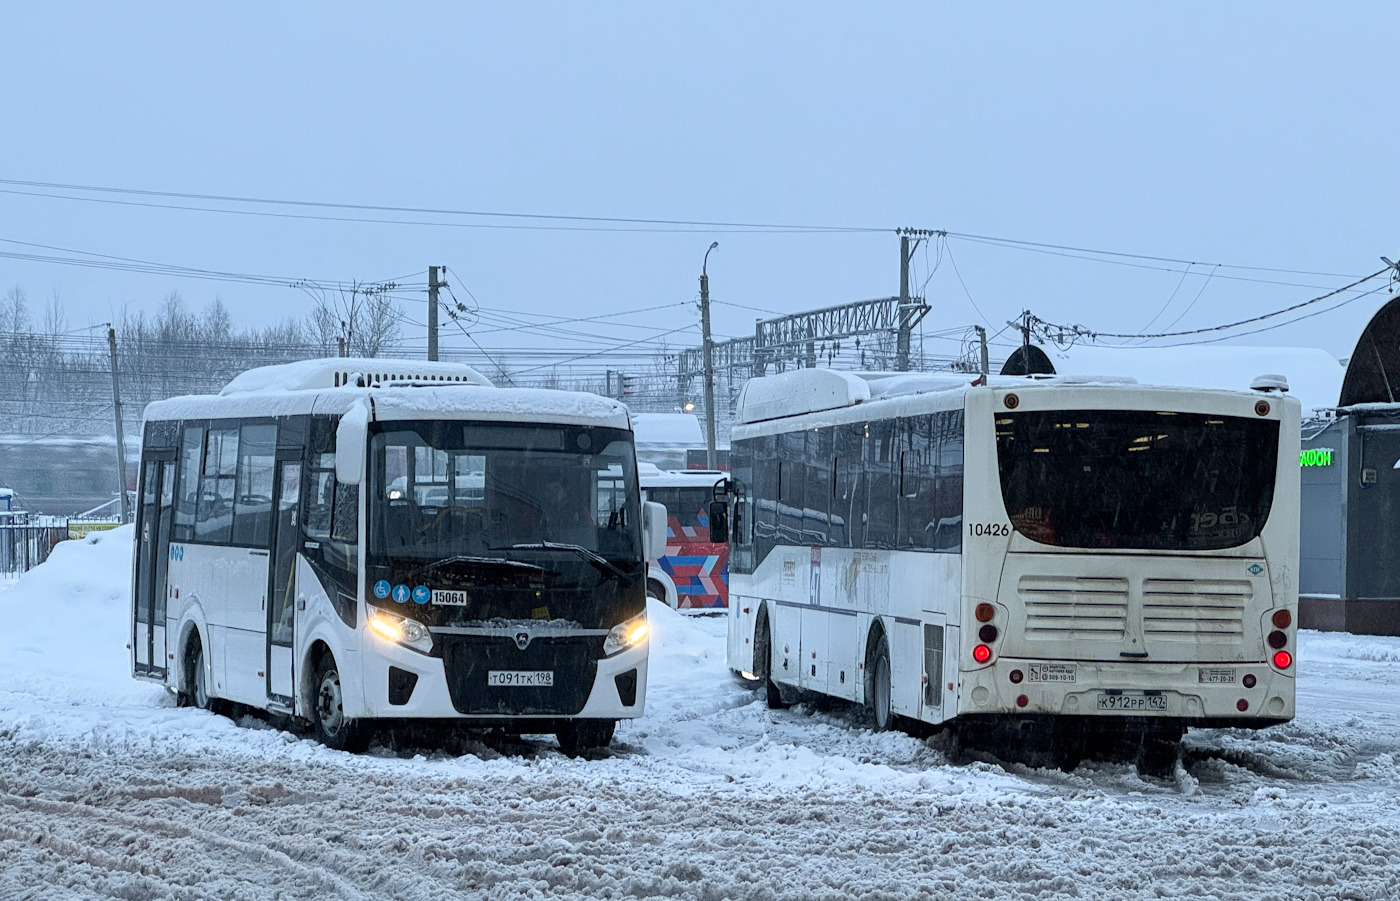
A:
{"x":348,"y":541}
{"x":1043,"y":555}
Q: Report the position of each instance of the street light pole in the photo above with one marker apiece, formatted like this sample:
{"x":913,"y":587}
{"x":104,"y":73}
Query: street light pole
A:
{"x":709,"y":350}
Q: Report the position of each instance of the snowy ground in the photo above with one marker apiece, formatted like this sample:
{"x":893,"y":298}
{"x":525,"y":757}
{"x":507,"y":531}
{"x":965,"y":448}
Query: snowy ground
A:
{"x":106,"y":790}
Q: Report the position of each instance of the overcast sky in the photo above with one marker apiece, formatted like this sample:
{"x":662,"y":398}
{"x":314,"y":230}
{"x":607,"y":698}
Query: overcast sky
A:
{"x":1258,"y":135}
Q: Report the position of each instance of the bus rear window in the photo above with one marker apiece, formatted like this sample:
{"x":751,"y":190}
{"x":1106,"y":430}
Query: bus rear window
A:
{"x":1137,"y":479}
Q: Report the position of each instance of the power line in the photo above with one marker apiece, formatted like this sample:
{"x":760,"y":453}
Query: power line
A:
{"x":1081,"y":331}
{"x":1029,"y":245}
{"x":637,"y":223}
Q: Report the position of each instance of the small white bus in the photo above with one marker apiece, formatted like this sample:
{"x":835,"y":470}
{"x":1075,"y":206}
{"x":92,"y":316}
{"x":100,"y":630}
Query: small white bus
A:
{"x":351,"y":541}
{"x":1074,"y":557}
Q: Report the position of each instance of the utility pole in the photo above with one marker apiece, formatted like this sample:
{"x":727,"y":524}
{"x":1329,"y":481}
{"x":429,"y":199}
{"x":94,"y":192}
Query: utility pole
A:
{"x":709,"y":348}
{"x":982,"y":339}
{"x":1025,"y":328}
{"x":433,"y":286}
{"x":901,"y":360}
{"x":121,"y":441}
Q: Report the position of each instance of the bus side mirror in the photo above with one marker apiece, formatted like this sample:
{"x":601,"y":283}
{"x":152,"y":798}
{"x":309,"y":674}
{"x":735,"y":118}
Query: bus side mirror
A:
{"x":653,"y":531}
{"x":350,"y":438}
{"x":719,"y":522}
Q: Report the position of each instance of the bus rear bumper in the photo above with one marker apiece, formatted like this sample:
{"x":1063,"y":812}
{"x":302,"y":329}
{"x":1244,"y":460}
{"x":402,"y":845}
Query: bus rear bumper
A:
{"x":1199,"y":694}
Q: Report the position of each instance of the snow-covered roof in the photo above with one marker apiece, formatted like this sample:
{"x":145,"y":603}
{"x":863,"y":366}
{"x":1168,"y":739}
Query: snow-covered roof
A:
{"x":680,"y":430}
{"x":334,"y":372}
{"x":464,"y":401}
{"x":652,"y":476}
{"x":1314,"y":376}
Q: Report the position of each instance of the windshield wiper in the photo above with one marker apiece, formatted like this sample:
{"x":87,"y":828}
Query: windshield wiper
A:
{"x":467,"y":558}
{"x":598,"y":560}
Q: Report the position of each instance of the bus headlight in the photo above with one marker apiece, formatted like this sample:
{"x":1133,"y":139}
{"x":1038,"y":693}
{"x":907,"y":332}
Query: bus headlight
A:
{"x":401,"y":630}
{"x":626,"y":634}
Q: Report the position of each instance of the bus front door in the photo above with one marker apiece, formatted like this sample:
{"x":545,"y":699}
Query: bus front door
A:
{"x":281,"y":611}
{"x":152,"y":566}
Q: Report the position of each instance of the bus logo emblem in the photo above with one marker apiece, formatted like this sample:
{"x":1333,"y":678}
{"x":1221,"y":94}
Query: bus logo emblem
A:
{"x":522,"y":640}
{"x":1255,"y":568}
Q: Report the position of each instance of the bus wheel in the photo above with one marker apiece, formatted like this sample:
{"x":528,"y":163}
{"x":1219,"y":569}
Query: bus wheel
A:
{"x":878,"y":695}
{"x":584,"y":735}
{"x":333,"y":728}
{"x":763,"y":665}
{"x":196,"y":690}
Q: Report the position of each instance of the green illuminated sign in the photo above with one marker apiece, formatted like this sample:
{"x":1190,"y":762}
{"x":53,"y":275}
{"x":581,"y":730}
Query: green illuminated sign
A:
{"x":1318,"y":456}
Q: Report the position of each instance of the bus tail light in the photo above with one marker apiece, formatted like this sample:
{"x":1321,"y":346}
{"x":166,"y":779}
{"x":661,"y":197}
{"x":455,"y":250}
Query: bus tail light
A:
{"x":1282,"y":619}
{"x":988,"y":633}
{"x":1022,"y":700}
{"x":1277,"y":639}
{"x":1241,"y":705}
{"x":981,"y":653}
{"x":1283,"y":660}
{"x":985,"y":612}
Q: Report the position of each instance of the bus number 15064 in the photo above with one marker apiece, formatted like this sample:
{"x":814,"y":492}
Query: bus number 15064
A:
{"x":988,"y":529}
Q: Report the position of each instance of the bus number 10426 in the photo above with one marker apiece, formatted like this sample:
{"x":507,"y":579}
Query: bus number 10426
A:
{"x":988,"y":529}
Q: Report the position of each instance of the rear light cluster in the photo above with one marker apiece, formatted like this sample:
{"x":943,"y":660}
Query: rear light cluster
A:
{"x":987,"y":634}
{"x":1278,"y":639}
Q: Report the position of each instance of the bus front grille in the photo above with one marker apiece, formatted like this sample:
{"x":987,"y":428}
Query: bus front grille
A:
{"x":468,"y":659}
{"x":1207,"y":611}
{"x":1075,"y":607}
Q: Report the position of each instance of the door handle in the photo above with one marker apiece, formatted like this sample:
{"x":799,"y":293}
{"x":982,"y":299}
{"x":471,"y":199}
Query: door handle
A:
{"x":301,"y":602}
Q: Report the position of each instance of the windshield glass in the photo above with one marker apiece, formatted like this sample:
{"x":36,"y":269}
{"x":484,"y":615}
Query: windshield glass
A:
{"x":1137,"y":479}
{"x":453,"y":489}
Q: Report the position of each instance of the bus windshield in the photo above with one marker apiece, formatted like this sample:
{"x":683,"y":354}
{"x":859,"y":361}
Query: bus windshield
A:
{"x":443,"y":490}
{"x":1137,"y":479}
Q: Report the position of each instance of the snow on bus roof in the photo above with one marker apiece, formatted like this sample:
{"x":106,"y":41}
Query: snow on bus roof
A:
{"x":463,"y":401}
{"x":334,"y":372}
{"x":653,"y":476}
{"x":668,"y":429}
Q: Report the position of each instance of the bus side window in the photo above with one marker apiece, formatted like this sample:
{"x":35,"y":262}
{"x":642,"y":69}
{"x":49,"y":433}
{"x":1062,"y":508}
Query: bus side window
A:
{"x":214,"y":516}
{"x":252,"y":521}
{"x":345,"y":522}
{"x":880,"y":468}
{"x":948,"y":504}
{"x":320,"y":498}
{"x":191,"y":453}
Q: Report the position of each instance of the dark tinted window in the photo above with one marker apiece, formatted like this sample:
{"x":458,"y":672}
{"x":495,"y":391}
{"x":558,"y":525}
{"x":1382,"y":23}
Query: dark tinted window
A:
{"x":1132,"y":479}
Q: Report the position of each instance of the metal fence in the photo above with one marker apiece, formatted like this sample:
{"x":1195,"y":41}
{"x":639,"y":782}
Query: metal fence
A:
{"x":24,"y":546}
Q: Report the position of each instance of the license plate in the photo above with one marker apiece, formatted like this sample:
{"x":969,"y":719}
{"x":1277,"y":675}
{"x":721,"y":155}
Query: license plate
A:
{"x":1132,"y":702}
{"x":514,"y":678}
{"x":1051,"y":672}
{"x":1215,"y":675}
{"x":454,"y":598}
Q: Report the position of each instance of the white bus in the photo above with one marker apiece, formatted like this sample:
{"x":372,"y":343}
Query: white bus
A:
{"x":1043,"y":555}
{"x":348,"y":541}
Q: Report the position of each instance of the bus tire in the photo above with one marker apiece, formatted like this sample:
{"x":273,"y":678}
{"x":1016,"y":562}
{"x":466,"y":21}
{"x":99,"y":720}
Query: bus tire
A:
{"x":763,"y":663}
{"x":196,"y":689}
{"x":333,"y":729}
{"x":584,"y":735}
{"x":878,"y":695}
